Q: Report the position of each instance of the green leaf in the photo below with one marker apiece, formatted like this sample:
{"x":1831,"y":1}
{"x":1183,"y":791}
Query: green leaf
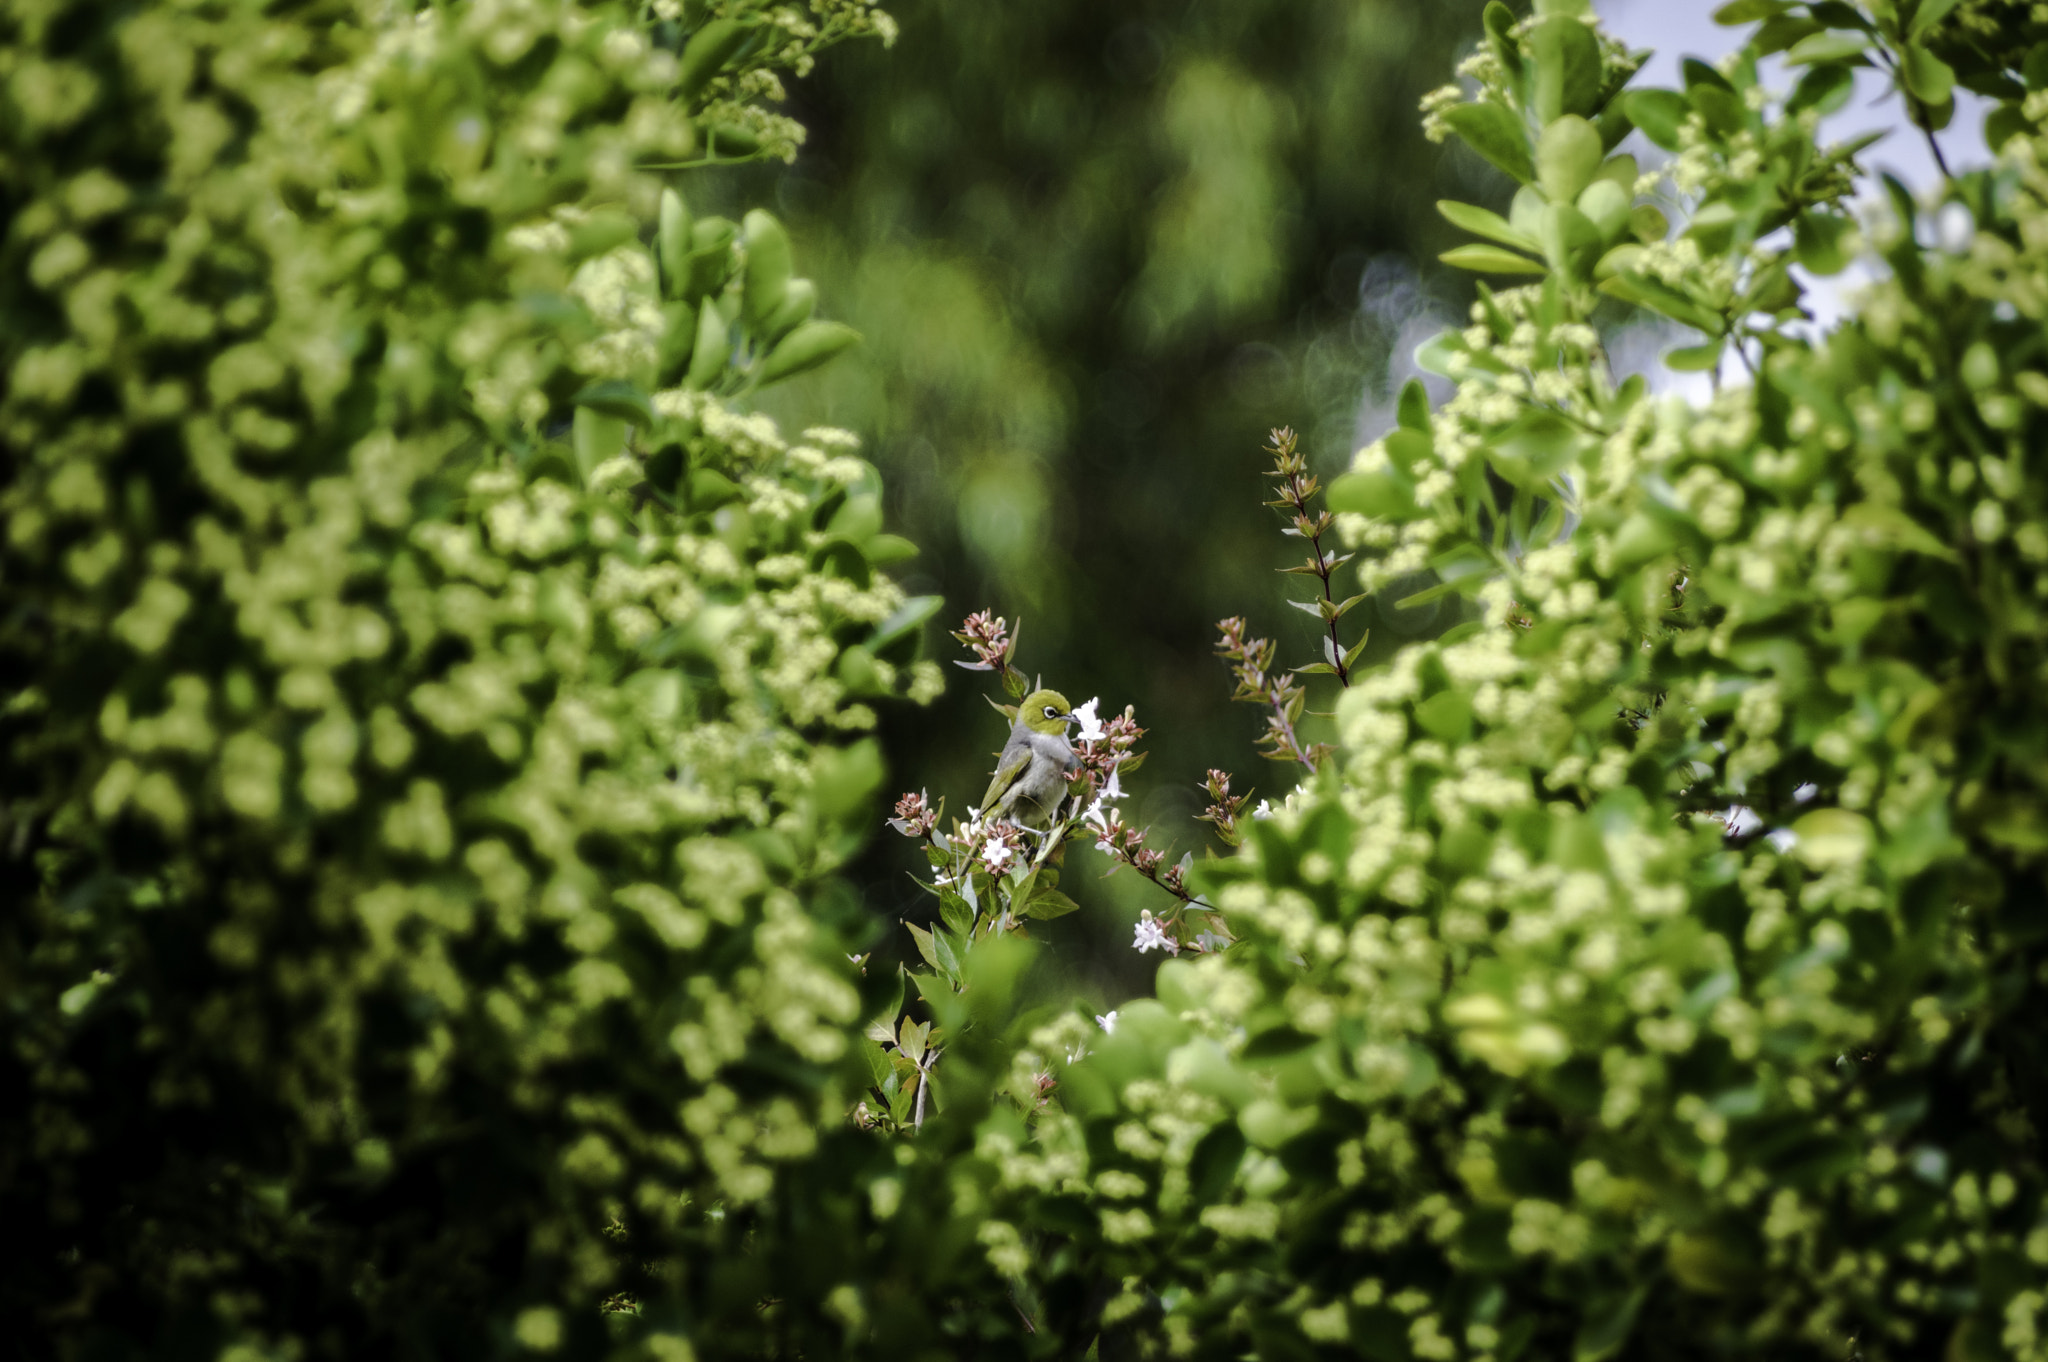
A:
{"x":1567,"y":75}
{"x":713,"y":349}
{"x":885,"y":549}
{"x":1500,"y":35}
{"x":925,"y":947}
{"x":807,"y":347}
{"x":2003,"y":124}
{"x":769,"y":264}
{"x":1663,"y":299}
{"x":1607,"y":205}
{"x":672,"y":243}
{"x":1492,"y":226}
{"x":601,"y":232}
{"x":1931,"y":79}
{"x":1608,"y":1323}
{"x":1048,"y":904}
{"x":1826,"y":88}
{"x":1412,"y":411}
{"x":1830,"y":839}
{"x":799,"y":301}
{"x":1780,"y":33}
{"x":1723,"y":110}
{"x":1570,"y":240}
{"x":1820,"y":242}
{"x":1410,"y":447}
{"x":709,"y":48}
{"x":907,"y":617}
{"x":1648,"y":223}
{"x":1567,"y":158}
{"x":618,"y":398}
{"x":1535,"y":449}
{"x":1833,"y":45}
{"x":1490,"y":260}
{"x":949,"y":959}
{"x":1446,"y":716}
{"x":1930,"y":13}
{"x":1749,"y":11}
{"x":1660,"y":114}
{"x":596,"y":437}
{"x":844,"y":779}
{"x":1496,"y":134}
{"x":955,"y":913}
{"x":1695,"y":359}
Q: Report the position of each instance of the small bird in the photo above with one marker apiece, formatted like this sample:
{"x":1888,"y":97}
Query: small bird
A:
{"x":1031,"y":775}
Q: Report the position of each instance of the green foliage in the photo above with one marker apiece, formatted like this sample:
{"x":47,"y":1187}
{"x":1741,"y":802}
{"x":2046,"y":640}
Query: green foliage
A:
{"x":433,"y":718}
{"x":1656,"y":966}
{"x":432,"y":714}
{"x":1097,"y":252}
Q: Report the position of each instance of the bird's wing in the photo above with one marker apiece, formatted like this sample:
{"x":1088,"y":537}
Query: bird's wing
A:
{"x":1016,"y":756}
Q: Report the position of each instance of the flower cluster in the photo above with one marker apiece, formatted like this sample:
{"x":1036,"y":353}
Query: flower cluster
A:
{"x":994,"y":643}
{"x":1224,"y":807}
{"x":914,"y":817}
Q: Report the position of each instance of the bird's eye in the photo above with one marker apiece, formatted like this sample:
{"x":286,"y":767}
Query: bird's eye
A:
{"x":1051,"y":713}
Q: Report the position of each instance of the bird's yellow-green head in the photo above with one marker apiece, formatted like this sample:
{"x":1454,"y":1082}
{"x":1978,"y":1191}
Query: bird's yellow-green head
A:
{"x":1045,"y":711}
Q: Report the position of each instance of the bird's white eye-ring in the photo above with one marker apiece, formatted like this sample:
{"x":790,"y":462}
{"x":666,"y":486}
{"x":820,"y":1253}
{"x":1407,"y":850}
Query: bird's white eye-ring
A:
{"x":1051,"y":713}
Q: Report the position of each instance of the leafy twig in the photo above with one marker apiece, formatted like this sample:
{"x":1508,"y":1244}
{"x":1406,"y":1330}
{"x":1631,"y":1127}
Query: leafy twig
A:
{"x":1295,"y":489}
{"x":1250,"y":661}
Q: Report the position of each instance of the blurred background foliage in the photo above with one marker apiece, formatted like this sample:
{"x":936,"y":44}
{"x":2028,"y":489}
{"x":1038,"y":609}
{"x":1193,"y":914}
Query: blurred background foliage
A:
{"x":1096,"y":255}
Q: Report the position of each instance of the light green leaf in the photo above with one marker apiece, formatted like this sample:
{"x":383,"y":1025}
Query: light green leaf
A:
{"x":1930,"y":78}
{"x":1490,"y":260}
{"x":805,"y":348}
{"x":1749,"y":11}
{"x":1567,"y":158}
{"x":1492,"y":226}
{"x":1930,"y":13}
{"x":1830,"y":839}
{"x":1833,"y":45}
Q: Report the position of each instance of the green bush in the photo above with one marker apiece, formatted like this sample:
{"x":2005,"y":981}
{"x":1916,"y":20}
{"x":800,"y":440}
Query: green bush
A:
{"x":433,"y":714}
{"x":1537,"y":1043}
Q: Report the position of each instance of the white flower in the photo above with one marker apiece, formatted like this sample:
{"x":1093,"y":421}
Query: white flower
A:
{"x":994,"y":855}
{"x":1149,"y":934}
{"x":1091,"y":727}
{"x":1265,"y":809}
{"x":1784,"y":839}
{"x":1099,"y":818}
{"x":1741,"y":820}
{"x":1107,"y":1021}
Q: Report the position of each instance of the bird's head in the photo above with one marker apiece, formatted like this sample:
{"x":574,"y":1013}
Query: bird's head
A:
{"x":1045,"y":711}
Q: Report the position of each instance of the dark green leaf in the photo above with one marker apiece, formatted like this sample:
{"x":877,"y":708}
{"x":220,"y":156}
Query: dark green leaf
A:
{"x":1567,"y":75}
{"x":1660,"y":114}
{"x":619,"y":399}
{"x":1495,"y":134}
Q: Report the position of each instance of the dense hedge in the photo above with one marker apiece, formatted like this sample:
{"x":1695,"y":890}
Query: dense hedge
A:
{"x":431,"y":709}
{"x":432,"y":713}
{"x":1658,"y":968}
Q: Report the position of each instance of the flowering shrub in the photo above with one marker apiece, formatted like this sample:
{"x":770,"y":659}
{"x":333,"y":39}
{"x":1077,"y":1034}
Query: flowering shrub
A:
{"x":433,"y":713}
{"x":432,"y":727}
{"x":1655,"y":965}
